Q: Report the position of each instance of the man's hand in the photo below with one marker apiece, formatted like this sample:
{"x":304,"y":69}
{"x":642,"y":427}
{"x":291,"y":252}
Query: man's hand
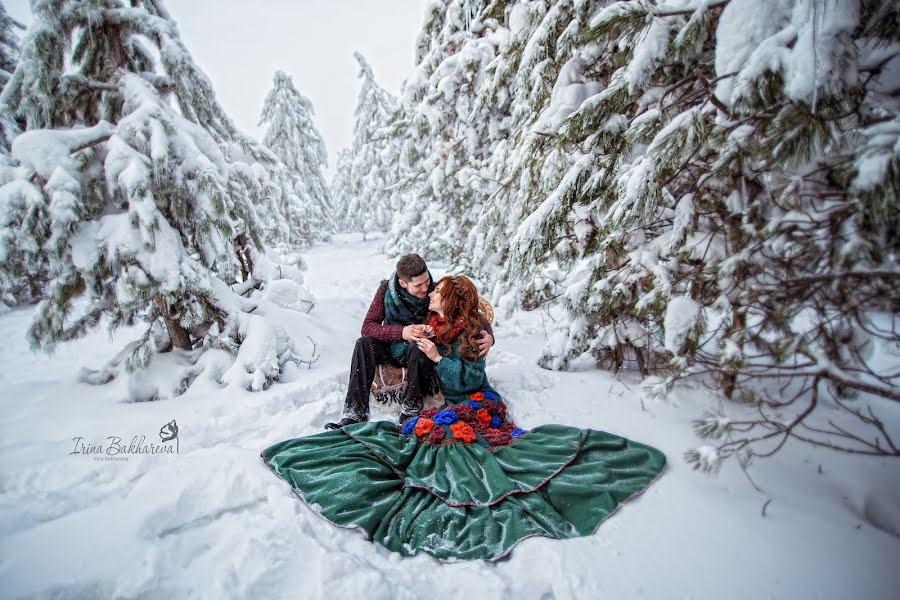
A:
{"x":484,"y":341}
{"x":413,"y":333}
{"x":429,"y":349}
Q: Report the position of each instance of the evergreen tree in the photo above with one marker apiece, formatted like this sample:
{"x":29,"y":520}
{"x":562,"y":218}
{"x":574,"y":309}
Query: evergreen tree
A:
{"x":543,"y":73}
{"x":730,"y":212}
{"x":143,"y":213}
{"x":444,"y":151}
{"x":9,"y":56}
{"x":373,"y":170}
{"x":699,"y":199}
{"x":9,"y":45}
{"x":340,"y":187}
{"x":293,"y":137}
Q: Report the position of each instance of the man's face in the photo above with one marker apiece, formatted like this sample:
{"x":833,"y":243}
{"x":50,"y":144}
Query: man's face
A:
{"x":417,"y":286}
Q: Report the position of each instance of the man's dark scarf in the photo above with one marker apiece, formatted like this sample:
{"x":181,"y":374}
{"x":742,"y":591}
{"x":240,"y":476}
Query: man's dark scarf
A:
{"x":401,"y":307}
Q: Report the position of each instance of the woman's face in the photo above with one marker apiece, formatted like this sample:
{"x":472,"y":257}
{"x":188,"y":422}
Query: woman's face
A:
{"x":435,"y":301}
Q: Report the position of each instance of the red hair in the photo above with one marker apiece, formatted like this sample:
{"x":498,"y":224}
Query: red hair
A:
{"x":459,"y":301}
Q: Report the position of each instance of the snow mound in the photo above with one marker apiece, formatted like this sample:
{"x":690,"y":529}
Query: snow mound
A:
{"x":289,"y":294}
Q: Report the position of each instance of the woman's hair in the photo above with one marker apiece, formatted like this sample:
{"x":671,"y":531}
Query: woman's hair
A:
{"x":459,"y":300}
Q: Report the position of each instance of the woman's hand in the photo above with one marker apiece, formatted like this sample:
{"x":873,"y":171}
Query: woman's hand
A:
{"x":429,"y":349}
{"x":412,"y":333}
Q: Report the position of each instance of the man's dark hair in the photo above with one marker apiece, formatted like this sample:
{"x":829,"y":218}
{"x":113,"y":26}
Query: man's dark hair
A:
{"x":409,"y":266}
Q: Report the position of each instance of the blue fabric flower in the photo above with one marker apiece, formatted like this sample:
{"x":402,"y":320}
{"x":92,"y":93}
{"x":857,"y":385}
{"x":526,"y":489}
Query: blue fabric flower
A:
{"x":490,"y":396}
{"x":473,"y":404}
{"x":517,"y":432}
{"x":495,"y":422}
{"x":410,"y":426}
{"x":445,"y":417}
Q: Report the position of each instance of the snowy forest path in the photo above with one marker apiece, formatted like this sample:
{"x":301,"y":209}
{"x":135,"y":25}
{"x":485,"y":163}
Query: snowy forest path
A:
{"x":212,"y":521}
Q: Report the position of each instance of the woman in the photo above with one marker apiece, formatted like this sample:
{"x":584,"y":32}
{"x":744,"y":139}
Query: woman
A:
{"x":462,"y":481}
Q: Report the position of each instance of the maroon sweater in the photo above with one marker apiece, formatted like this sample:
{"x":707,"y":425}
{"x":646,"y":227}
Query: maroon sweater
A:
{"x":373,"y":324}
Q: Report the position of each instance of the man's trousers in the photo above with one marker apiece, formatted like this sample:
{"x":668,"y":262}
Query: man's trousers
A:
{"x":367,"y":355}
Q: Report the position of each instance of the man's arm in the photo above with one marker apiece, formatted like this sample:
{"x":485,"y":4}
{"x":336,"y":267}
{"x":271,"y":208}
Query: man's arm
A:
{"x":490,"y":330}
{"x":372,"y":324}
{"x":485,"y":339}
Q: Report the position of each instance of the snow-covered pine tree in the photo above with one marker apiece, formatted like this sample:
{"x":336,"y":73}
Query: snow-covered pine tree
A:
{"x":9,"y":56}
{"x":445,"y":151}
{"x":340,"y":187}
{"x":293,"y":137}
{"x":9,"y":45}
{"x":734,"y":204}
{"x":143,"y":213}
{"x":373,"y":169}
{"x":542,"y":74}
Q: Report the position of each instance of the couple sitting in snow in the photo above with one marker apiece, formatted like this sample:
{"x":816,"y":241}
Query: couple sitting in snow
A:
{"x":461,"y":481}
{"x":405,"y":315}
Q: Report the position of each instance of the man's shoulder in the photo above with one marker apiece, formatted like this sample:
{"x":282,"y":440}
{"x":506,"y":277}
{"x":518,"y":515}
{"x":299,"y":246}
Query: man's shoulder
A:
{"x":381,"y":291}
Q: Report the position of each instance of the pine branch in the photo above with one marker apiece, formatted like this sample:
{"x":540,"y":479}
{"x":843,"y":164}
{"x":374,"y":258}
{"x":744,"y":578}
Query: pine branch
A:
{"x":662,"y":11}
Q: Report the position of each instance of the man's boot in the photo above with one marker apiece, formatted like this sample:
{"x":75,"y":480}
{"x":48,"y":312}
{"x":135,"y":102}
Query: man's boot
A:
{"x":342,"y":423}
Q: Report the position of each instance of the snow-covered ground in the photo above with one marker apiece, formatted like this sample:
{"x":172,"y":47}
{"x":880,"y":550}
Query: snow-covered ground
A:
{"x":212,"y":521}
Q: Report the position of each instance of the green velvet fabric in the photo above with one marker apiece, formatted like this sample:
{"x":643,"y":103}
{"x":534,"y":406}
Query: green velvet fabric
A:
{"x":459,"y":501}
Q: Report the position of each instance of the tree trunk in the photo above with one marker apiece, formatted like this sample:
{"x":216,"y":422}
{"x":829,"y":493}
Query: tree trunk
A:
{"x":730,"y":379}
{"x":178,"y":334}
{"x":241,"y":243}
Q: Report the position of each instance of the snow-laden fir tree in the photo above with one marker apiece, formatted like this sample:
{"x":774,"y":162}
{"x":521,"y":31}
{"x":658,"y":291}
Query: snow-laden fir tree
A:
{"x":141,"y":213}
{"x":9,"y":45}
{"x":340,"y":187}
{"x":543,"y":73}
{"x":293,"y":137}
{"x":374,"y":174}
{"x":708,"y":188}
{"x":9,"y":56}
{"x":732,"y":211}
{"x":443,"y":152}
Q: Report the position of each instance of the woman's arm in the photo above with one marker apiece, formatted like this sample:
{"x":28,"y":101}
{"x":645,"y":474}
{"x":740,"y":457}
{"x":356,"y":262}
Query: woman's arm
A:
{"x":458,"y":376}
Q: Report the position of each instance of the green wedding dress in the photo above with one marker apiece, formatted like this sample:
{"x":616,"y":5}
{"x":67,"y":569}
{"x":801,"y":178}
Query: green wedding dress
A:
{"x":462,"y":481}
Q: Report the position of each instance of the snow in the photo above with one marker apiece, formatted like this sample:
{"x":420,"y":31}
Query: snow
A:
{"x":212,"y":521}
{"x":709,"y":457}
{"x":682,"y":223}
{"x":650,"y":49}
{"x":17,"y":199}
{"x":43,"y":150}
{"x":530,"y":227}
{"x":742,"y":28}
{"x":288,"y":294}
{"x":518,"y":18}
{"x":806,"y":42}
{"x":569,"y":91}
{"x":875,"y":159}
{"x":682,"y":314}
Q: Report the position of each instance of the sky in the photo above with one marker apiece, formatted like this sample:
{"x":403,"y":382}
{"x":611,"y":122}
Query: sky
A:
{"x":240,"y":48}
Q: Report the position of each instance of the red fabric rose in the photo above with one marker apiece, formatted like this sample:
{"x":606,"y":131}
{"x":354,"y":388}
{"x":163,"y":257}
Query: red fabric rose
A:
{"x":462,"y":432}
{"x":501,"y":410}
{"x":490,"y":406}
{"x":496,"y":437}
{"x":465,"y":412}
{"x":437,"y":435}
{"x":483,"y":417}
{"x":424,"y":426}
{"x":477,"y":396}
{"x":429,"y":412}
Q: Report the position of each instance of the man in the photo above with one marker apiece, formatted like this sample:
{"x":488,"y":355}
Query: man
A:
{"x":390,"y":332}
